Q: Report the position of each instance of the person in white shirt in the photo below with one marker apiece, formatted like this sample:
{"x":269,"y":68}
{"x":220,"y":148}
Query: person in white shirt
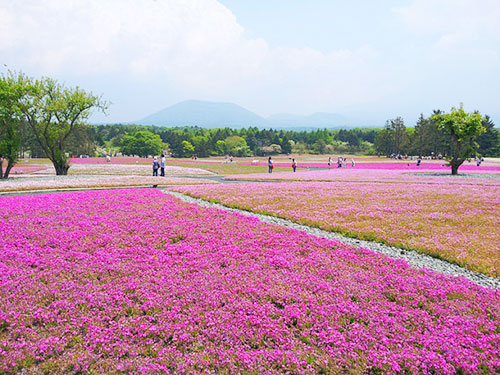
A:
{"x":162,"y":165}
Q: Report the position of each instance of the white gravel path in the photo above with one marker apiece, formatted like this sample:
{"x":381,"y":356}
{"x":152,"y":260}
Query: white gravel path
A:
{"x":415,"y":259}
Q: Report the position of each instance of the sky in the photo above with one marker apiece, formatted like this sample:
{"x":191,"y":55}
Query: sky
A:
{"x":368,"y":60}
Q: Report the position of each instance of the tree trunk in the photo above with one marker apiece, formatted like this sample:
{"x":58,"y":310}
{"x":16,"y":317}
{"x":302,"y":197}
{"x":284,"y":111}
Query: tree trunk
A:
{"x":10,"y":164}
{"x":454,"y":163}
{"x":61,"y":170}
{"x":5,"y":174}
{"x":61,"y":167}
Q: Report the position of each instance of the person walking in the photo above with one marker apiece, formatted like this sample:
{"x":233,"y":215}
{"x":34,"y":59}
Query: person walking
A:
{"x":329,"y":162}
{"x":294,"y":165}
{"x":155,"y":166}
{"x":270,"y":165}
{"x":163,"y":162}
{"x":352,"y":162}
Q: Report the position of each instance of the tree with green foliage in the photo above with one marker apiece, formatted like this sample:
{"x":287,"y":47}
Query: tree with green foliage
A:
{"x":393,"y":138}
{"x":463,"y":129}
{"x":187,"y":148}
{"x":488,"y":141}
{"x":54,"y":112}
{"x":236,"y":145}
{"x":11,"y":91}
{"x":142,"y":143}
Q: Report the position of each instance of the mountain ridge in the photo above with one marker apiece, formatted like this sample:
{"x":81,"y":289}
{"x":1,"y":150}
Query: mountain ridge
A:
{"x":226,"y":114}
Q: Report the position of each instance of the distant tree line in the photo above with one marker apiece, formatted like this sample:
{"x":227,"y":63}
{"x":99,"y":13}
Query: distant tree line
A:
{"x":42,"y":118}
{"x":188,"y":141}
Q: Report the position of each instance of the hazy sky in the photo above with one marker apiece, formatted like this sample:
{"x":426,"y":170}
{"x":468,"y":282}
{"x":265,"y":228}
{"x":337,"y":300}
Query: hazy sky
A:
{"x":369,"y":60}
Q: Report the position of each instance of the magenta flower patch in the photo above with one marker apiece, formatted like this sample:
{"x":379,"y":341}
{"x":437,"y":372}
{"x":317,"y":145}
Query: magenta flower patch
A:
{"x":137,"y":281}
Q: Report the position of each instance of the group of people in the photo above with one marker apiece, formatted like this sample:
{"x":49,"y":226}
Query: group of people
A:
{"x":271,"y":166}
{"x":159,"y":164}
{"x":341,"y":161}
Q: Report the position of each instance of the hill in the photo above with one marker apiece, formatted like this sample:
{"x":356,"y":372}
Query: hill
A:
{"x":204,"y":114}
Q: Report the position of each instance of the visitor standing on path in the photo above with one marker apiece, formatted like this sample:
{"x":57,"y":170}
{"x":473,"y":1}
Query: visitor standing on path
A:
{"x":162,"y":165}
{"x":155,"y":166}
{"x":352,"y":162}
{"x":294,"y":165}
{"x":329,"y":162}
{"x":270,"y":165}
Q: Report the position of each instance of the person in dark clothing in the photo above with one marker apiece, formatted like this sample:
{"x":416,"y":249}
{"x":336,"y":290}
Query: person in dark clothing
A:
{"x":156,"y":165}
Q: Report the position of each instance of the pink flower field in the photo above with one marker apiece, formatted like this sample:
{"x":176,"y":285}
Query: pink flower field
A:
{"x":478,"y":177}
{"x":456,"y":222}
{"x":136,"y":281}
{"x":26,"y":169}
{"x":409,"y":165}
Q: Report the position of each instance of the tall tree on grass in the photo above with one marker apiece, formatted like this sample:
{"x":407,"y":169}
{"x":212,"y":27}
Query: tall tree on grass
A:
{"x":463,"y":129}
{"x":393,"y":138}
{"x":54,"y":112}
{"x":11,"y":91}
{"x":141,"y":143}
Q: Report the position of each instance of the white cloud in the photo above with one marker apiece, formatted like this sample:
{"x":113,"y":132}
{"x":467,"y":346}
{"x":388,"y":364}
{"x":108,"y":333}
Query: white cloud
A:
{"x":453,"y":22}
{"x":196,"y":47}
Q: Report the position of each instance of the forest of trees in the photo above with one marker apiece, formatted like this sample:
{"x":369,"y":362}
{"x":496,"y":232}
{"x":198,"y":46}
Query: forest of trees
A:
{"x":186,"y":141}
{"x":395,"y":138}
{"x":424,"y":139}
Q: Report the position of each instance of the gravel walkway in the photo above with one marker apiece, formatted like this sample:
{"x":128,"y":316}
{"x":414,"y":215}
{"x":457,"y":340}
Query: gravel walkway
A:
{"x":414,"y":258}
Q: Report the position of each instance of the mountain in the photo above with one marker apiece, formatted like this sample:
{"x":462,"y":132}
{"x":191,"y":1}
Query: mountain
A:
{"x":316,"y":120}
{"x":219,"y":115}
{"x":204,"y":114}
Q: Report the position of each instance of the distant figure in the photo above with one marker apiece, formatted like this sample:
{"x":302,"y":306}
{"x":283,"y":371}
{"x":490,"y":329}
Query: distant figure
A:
{"x":339,"y":162}
{"x":163,"y":162}
{"x":352,"y":162}
{"x":155,"y":166}
{"x":329,"y":162}
{"x":345,"y":161}
{"x":270,"y":165}
{"x":419,"y":160}
{"x":294,"y":165}
{"x":231,"y":159}
{"x":108,"y":158}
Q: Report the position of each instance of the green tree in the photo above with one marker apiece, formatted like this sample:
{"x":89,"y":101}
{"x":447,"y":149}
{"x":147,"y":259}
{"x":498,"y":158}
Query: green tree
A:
{"x":54,"y":112}
{"x":201,"y":145}
{"x":235,"y":142}
{"x":463,"y":129}
{"x":11,"y":91}
{"x":488,"y":141}
{"x":142,"y":143}
{"x":187,"y":148}
{"x":220,"y":148}
{"x":383,"y":142}
{"x":393,"y":138}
